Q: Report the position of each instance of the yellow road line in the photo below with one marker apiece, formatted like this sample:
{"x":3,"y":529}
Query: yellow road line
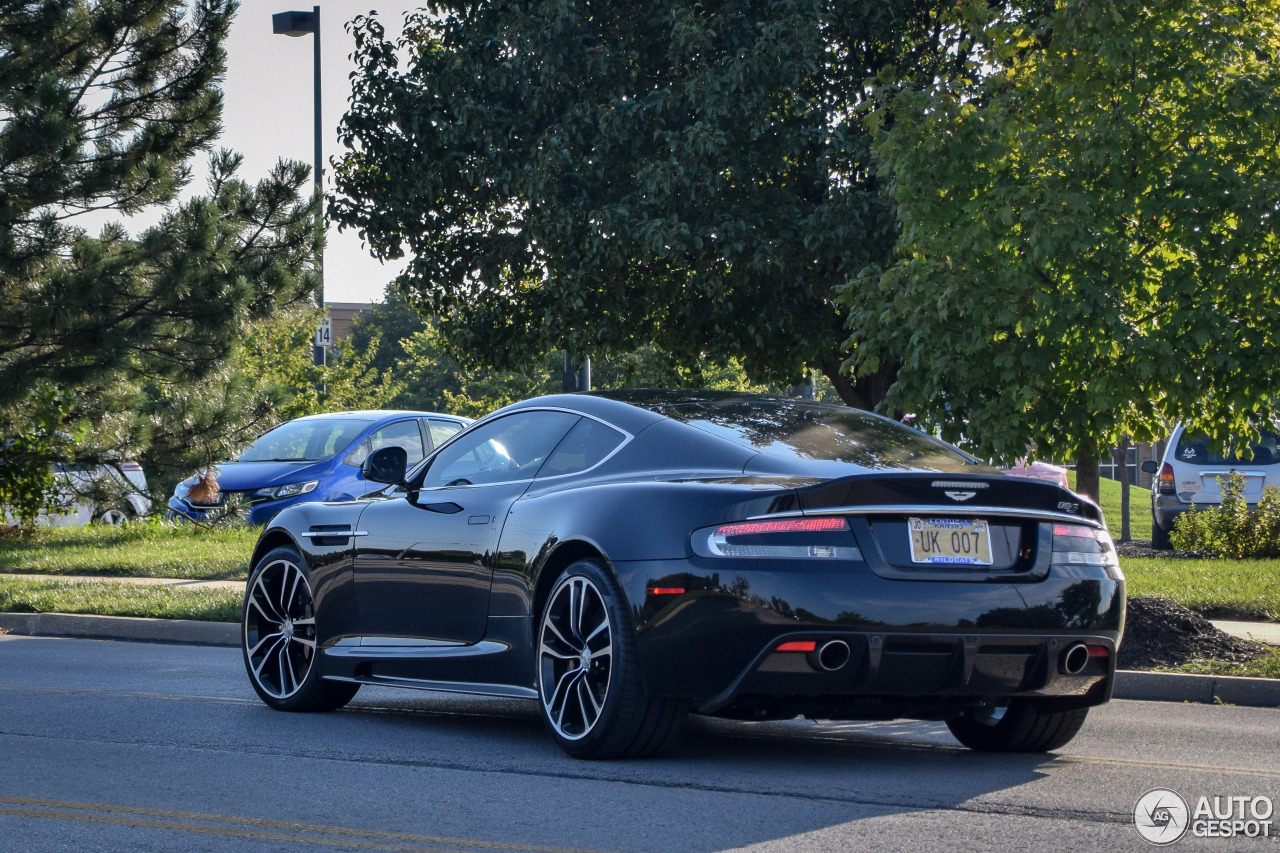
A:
{"x":254,"y":828}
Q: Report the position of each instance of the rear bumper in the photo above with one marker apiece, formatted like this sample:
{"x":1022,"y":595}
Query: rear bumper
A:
{"x":1165,"y":509}
{"x":912,"y":644}
{"x":933,"y":674}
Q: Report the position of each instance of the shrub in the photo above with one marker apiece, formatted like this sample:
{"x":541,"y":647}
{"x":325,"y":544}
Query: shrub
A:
{"x":1231,"y":529}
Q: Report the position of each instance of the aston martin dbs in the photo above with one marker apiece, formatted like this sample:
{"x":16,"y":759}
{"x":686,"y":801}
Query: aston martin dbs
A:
{"x":624,"y":559}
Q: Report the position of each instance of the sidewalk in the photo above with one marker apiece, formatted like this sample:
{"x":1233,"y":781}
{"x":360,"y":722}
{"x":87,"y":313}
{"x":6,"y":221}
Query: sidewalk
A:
{"x":1130,"y":684}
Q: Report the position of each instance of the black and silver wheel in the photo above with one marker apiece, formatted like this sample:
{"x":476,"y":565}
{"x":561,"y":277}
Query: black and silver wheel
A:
{"x":114,"y":516}
{"x":278,"y":638}
{"x":1016,"y":727}
{"x":589,"y":675}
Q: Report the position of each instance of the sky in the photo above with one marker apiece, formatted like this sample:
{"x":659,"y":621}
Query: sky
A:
{"x":267,"y":115}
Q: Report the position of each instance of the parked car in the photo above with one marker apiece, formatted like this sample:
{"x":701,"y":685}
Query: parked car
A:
{"x":107,"y":493}
{"x":621,"y":559}
{"x":314,"y":458}
{"x":1190,"y":472}
{"x":1037,"y":470}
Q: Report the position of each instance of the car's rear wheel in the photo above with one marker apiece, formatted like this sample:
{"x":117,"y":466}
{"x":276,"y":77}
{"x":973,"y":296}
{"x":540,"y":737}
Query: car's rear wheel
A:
{"x":1017,"y":727}
{"x":1159,"y":536}
{"x":278,"y":638}
{"x":589,"y":685}
{"x":114,"y":516}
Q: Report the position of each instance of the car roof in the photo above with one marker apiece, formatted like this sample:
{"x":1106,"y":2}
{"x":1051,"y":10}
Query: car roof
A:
{"x":382,"y":414}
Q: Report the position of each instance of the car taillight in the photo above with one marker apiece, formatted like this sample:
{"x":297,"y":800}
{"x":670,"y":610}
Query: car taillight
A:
{"x":1165,"y":480}
{"x":1080,"y":545}
{"x":779,"y":538}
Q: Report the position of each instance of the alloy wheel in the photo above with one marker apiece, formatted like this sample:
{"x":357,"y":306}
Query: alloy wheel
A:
{"x":280,"y":629}
{"x":575,"y":657}
{"x":112,"y":517}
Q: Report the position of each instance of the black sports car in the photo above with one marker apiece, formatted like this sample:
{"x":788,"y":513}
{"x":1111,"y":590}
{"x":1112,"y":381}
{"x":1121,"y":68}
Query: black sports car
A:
{"x":625,"y":558}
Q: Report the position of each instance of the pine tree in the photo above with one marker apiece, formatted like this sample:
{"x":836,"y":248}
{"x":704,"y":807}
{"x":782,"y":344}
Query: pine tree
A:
{"x":103,"y":105}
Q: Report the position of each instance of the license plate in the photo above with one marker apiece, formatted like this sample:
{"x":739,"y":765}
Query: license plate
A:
{"x":955,"y":542}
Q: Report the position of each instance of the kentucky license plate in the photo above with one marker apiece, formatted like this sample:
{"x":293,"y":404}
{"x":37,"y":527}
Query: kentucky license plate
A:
{"x":956,"y":542}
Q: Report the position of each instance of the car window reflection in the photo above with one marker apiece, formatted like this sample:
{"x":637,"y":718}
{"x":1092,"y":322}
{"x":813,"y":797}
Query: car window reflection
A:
{"x":509,"y":449}
{"x":797,"y":430}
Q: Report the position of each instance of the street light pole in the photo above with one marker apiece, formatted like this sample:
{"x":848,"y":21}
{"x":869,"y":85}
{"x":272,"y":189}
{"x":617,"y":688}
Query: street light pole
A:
{"x":299,"y":24}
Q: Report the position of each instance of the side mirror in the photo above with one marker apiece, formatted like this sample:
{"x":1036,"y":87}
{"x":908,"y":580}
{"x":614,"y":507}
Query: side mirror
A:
{"x":1150,"y":466}
{"x":386,"y":465}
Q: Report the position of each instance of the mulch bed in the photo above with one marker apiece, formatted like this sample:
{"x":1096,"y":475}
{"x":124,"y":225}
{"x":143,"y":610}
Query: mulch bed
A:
{"x":1158,"y":632}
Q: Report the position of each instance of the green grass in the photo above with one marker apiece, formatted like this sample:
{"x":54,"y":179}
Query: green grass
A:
{"x":150,"y":549}
{"x":1246,"y":589}
{"x":113,"y":598}
{"x":1264,"y":667}
{"x":1109,"y":499}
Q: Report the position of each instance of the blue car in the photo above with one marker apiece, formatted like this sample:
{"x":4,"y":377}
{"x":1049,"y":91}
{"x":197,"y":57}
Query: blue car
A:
{"x":314,"y":458}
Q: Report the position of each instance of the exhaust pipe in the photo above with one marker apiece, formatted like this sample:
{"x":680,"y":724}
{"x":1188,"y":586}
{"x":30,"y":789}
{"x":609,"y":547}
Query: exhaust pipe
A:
{"x":1074,"y":659}
{"x":832,"y":655}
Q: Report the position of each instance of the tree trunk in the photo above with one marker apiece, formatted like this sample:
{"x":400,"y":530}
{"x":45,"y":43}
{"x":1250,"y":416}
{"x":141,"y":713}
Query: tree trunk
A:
{"x":1122,"y":462}
{"x":1087,"y":473}
{"x":866,"y":392}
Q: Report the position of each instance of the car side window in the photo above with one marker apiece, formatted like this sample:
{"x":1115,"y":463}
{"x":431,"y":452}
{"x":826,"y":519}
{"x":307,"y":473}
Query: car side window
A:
{"x":508,"y":449}
{"x":442,"y":431}
{"x":586,"y":444}
{"x":404,"y":434}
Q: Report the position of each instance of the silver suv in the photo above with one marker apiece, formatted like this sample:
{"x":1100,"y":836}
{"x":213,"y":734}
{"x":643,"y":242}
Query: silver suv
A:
{"x":1188,"y":476}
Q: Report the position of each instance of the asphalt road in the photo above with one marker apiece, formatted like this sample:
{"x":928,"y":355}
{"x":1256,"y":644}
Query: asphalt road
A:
{"x":131,"y":746}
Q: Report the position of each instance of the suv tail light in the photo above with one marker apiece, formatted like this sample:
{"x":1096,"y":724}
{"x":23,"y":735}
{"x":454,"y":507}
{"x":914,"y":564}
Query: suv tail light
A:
{"x":1079,"y":545}
{"x":1165,"y":480}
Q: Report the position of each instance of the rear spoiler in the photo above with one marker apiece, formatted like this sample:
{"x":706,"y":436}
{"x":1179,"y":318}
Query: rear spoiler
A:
{"x":945,"y":493}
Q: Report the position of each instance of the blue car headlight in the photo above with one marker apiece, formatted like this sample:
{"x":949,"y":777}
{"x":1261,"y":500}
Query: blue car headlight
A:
{"x":272,"y":493}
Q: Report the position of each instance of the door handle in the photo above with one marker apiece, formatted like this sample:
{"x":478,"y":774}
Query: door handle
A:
{"x":447,"y":508}
{"x":477,"y":519}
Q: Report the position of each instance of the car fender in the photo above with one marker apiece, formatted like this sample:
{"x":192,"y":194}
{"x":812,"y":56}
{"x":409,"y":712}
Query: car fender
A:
{"x":618,"y":521}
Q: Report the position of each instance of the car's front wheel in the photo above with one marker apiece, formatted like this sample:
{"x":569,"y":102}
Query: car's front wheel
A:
{"x":278,"y":638}
{"x":1016,"y":727}
{"x":592,"y":698}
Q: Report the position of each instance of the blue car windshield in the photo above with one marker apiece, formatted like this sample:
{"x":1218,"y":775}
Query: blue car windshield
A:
{"x":305,"y":440}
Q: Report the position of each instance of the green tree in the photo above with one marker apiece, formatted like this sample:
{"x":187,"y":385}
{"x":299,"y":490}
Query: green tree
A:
{"x":391,"y":322}
{"x":598,"y":176}
{"x":102,"y":107}
{"x":278,"y":355}
{"x":1090,"y":244}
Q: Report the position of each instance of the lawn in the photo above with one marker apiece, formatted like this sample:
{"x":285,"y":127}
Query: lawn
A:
{"x":149,"y":549}
{"x":114,"y":598}
{"x":1218,"y":589}
{"x":1139,"y":508}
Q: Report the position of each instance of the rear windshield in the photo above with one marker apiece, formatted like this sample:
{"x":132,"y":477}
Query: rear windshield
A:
{"x":1198,"y":450}
{"x":825,"y":433}
{"x":305,"y":440}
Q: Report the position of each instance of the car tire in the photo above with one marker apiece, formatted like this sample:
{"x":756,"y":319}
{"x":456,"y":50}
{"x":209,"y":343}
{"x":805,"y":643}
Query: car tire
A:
{"x":278,"y":638}
{"x":1159,"y":536}
{"x":114,"y":516}
{"x":588,"y":672}
{"x":1017,"y":727}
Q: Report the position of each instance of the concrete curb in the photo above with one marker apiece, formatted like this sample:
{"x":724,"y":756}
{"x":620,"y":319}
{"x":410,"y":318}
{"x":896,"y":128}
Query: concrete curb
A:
{"x":185,"y":631}
{"x":1130,"y":684}
{"x":1210,"y":689}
